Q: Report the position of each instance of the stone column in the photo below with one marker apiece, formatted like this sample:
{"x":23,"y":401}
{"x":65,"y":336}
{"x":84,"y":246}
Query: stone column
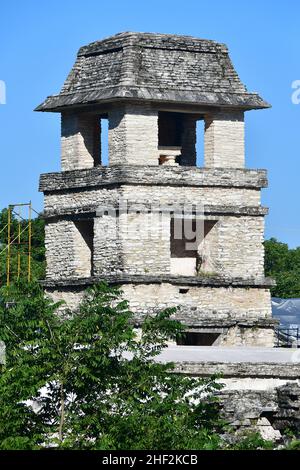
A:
{"x":107,"y":247}
{"x":68,"y":249}
{"x":80,"y":141}
{"x":224,"y":140}
{"x":133,"y":135}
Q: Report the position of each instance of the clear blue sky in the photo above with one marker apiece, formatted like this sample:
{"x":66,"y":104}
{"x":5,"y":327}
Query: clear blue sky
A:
{"x":38,"y":44}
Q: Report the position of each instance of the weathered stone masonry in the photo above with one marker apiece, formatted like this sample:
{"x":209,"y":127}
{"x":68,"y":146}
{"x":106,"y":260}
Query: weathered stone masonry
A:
{"x":119,"y":223}
{"x":153,"y":89}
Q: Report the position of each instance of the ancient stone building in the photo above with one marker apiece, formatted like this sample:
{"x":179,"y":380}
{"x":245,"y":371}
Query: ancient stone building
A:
{"x":169,"y":229}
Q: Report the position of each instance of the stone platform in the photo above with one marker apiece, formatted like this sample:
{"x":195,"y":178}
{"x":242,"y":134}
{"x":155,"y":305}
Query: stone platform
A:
{"x":261,"y":385}
{"x":231,"y":355}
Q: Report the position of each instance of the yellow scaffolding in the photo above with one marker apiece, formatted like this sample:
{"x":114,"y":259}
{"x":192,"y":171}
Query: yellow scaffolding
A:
{"x":22,"y":237}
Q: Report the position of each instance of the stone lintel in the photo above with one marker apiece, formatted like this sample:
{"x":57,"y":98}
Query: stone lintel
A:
{"x":206,"y":281}
{"x":217,"y":325}
{"x":94,"y":210}
{"x":274,"y":370}
{"x":101,"y":176}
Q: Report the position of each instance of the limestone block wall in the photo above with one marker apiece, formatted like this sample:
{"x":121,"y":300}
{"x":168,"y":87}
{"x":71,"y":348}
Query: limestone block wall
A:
{"x":243,"y":313}
{"x":156,"y":195}
{"x":80,"y":141}
{"x":145,"y":240}
{"x":66,"y":251}
{"x":253,"y":336}
{"x":170,"y":195}
{"x":79,"y":199}
{"x":140,"y":244}
{"x":237,"y":248}
{"x":200,"y":303}
{"x":132,"y":243}
{"x":161,"y":175}
{"x":224,"y":140}
{"x":233,"y":247}
{"x":72,"y":297}
{"x":108,"y":257}
{"x":133,"y":135}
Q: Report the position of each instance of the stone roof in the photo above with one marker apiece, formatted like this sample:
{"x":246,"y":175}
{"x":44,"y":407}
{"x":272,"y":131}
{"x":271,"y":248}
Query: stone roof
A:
{"x":156,"y":68}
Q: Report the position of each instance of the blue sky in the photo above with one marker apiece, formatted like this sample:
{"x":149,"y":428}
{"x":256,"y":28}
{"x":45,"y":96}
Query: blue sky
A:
{"x":38,"y":44}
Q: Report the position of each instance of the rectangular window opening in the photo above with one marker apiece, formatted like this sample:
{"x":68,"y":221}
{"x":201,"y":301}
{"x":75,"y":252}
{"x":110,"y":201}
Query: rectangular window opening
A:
{"x":191,"y":246}
{"x":104,"y":142}
{"x":84,"y":243}
{"x":197,"y":339}
{"x":180,"y":138}
{"x":183,"y":256}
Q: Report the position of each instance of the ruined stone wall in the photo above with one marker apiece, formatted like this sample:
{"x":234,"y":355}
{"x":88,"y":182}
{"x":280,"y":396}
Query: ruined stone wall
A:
{"x":263,"y":397}
{"x":243,"y":314}
{"x":67,"y":252}
{"x":248,"y":336}
{"x":200,"y":303}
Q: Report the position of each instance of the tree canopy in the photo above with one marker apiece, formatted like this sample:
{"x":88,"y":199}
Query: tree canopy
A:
{"x":283,"y":265}
{"x":88,"y":381}
{"x":38,"y":248}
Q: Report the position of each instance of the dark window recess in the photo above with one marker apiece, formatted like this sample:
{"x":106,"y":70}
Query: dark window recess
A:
{"x":96,"y":143}
{"x":86,"y":229}
{"x":197,"y":339}
{"x":170,"y":129}
{"x":179,"y":245}
{"x":183,"y":291}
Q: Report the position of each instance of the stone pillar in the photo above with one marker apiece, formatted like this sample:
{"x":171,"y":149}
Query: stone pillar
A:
{"x":59,"y":249}
{"x":188,"y":140}
{"x":80,"y":141}
{"x":133,"y":135}
{"x":224,"y":140}
{"x":107,"y":247}
{"x":68,"y":250}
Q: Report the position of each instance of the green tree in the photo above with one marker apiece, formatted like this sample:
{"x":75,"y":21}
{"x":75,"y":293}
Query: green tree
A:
{"x":95,"y":384}
{"x":283,"y":265}
{"x":38,"y":248}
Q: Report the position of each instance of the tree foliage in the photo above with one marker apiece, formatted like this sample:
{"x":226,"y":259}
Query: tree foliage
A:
{"x":38,"y":248}
{"x":87,"y":381}
{"x":283,"y":265}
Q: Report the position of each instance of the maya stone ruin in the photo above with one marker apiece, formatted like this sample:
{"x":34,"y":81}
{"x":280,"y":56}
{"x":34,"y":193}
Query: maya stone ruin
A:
{"x":171,"y":230}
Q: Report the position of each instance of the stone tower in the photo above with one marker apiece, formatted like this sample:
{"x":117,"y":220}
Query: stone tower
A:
{"x":126,"y":222}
